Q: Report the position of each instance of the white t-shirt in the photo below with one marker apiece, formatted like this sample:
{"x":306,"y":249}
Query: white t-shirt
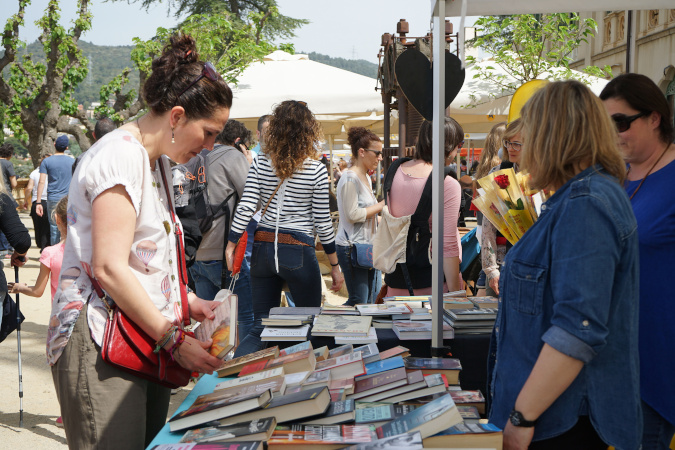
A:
{"x":35,"y":176}
{"x":117,"y":159}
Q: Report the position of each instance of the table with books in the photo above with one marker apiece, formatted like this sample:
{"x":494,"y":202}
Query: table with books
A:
{"x":356,"y":396}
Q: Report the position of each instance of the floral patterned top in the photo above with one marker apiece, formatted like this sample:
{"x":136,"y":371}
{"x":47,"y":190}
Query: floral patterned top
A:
{"x":117,"y":159}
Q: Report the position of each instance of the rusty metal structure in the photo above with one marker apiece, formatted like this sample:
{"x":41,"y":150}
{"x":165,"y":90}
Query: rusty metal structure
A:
{"x":393,"y":45}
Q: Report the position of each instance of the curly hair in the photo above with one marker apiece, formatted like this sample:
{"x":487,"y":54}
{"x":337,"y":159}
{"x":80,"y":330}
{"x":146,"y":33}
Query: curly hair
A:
{"x":232,"y":131}
{"x":360,"y":137}
{"x":291,"y":137}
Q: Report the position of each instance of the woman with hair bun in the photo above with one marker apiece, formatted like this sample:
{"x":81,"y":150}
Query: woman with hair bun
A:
{"x":292,"y":185}
{"x":122,"y":236}
{"x":358,"y":209}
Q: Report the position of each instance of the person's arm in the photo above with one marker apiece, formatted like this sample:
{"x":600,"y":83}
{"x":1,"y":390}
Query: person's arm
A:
{"x":488,"y":254}
{"x":350,"y":202}
{"x":452,"y":198}
{"x":33,"y":291}
{"x":38,"y":200}
{"x":247,"y":205}
{"x":112,"y":231}
{"x":10,"y":224}
{"x":13,"y":182}
{"x":27,"y":193}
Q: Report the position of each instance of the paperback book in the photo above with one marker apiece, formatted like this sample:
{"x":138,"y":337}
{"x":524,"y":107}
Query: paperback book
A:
{"x":219,"y":328}
{"x":295,"y":362}
{"x":235,"y":365}
{"x":254,"y":430}
{"x":320,"y":436}
{"x":340,"y":325}
{"x":429,"y":419}
{"x":405,"y":441}
{"x":450,"y":367}
{"x":285,"y":333}
{"x":370,"y":338}
{"x":418,"y":330}
{"x":338,"y":412}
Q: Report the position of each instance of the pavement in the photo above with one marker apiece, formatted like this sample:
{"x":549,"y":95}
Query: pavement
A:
{"x":40,"y":406}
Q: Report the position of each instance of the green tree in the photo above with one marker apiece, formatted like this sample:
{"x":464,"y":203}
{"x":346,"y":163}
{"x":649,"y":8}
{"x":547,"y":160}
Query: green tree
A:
{"x":529,"y":46}
{"x":39,"y":95}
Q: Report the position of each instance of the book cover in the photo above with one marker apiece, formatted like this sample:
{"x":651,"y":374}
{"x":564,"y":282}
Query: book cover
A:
{"x":285,"y":333}
{"x":415,"y":381}
{"x":254,"y":430}
{"x":295,"y":362}
{"x":307,"y":345}
{"x":405,"y":441}
{"x":340,"y":325}
{"x":468,"y":435}
{"x":297,"y":310}
{"x":299,"y":436}
{"x":469,"y":398}
{"x":339,"y":310}
{"x":399,"y":350}
{"x":384,"y":365}
{"x":418,"y":330}
{"x":234,"y":365}
{"x":472,"y":314}
{"x":370,"y":338}
{"x":369,"y":353}
{"x":213,"y":407}
{"x":457,"y":303}
{"x":321,"y":377}
{"x":428,"y":419}
{"x":423,"y":364}
{"x":349,"y":365}
{"x":468,"y":412}
{"x":340,"y":351}
{"x":485,"y":302}
{"x":224,"y":336}
{"x":274,"y":379}
{"x":297,"y":378}
{"x":211,"y":446}
{"x":364,"y":386}
{"x":379,"y":413}
{"x":321,"y":353}
{"x":383,"y":309}
{"x":338,"y":412}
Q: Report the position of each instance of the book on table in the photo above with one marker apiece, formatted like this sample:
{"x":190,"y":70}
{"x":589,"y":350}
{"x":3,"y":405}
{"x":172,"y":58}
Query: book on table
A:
{"x":383,"y":381}
{"x":369,"y":353}
{"x":344,"y":349}
{"x":253,"y":430}
{"x":344,"y":310}
{"x":285,"y":333}
{"x":469,"y":398}
{"x":428,"y":419}
{"x":399,"y":350}
{"x":315,"y":437}
{"x":383,"y":365}
{"x":289,"y":407}
{"x":222,"y":328}
{"x":338,"y":412}
{"x":345,"y":366}
{"x":239,"y":445}
{"x":226,"y":404}
{"x":381,"y":323}
{"x":467,"y":412}
{"x":295,"y":310}
{"x":296,"y":380}
{"x":485,"y":302}
{"x":450,"y":367}
{"x":287,"y":320}
{"x":378,"y":413}
{"x":274,"y":379}
{"x":433,"y":384}
{"x":295,"y":362}
{"x":370,"y":338}
{"x":408,"y":330}
{"x":317,"y":379}
{"x":460,"y":315}
{"x":415,"y":381}
{"x":235,"y":365}
{"x":467,"y":435}
{"x":321,"y":353}
{"x":417,"y":314}
{"x":405,"y":441}
{"x":383,"y":309}
{"x":340,"y":325}
{"x":458,"y":303}
{"x":307,"y":345}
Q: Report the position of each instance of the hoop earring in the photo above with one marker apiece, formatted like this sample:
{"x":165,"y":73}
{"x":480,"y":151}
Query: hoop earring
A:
{"x":173,"y":141}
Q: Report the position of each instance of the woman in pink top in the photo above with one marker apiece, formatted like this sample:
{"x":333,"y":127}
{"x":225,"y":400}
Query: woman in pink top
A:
{"x":405,"y":194}
{"x":50,"y":258}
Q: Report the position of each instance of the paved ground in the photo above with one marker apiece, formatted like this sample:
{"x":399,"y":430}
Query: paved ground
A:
{"x":40,"y":407}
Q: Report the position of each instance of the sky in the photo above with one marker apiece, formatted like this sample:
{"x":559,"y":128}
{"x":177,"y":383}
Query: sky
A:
{"x":350,"y":29}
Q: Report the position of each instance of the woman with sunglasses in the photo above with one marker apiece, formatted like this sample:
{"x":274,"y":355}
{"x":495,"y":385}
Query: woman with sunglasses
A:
{"x":409,"y":181}
{"x":358,"y":210}
{"x":122,"y":236}
{"x":291,"y":184}
{"x":645,"y":134}
{"x":493,"y":245}
{"x":563,"y":357}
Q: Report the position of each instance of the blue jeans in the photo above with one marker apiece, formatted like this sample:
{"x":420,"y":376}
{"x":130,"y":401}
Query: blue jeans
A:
{"x":359,"y":282}
{"x":54,"y":234}
{"x":207,"y":276}
{"x":297,"y":266}
{"x":657,"y":432}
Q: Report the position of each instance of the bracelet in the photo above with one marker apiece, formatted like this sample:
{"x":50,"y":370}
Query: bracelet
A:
{"x":334,"y":265}
{"x":161,"y":342}
{"x":177,"y":343}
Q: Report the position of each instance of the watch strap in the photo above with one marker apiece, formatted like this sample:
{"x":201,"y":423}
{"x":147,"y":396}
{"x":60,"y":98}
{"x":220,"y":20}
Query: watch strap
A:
{"x":517,"y":420}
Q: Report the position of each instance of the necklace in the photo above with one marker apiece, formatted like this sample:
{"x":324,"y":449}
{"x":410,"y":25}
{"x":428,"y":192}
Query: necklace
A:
{"x":648,"y":173}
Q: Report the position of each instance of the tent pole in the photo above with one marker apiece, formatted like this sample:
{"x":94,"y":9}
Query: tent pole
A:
{"x":438,"y":139}
{"x":330,"y":175}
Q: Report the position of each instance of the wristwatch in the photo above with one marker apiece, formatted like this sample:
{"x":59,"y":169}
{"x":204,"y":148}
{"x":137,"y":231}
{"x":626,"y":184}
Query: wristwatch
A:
{"x":517,"y":420}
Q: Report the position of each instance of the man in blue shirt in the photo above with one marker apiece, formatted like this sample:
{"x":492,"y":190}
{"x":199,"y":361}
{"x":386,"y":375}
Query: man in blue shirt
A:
{"x":58,"y":170}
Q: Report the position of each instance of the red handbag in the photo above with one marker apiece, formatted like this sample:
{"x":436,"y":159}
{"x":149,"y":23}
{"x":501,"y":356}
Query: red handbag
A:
{"x":126,"y":346}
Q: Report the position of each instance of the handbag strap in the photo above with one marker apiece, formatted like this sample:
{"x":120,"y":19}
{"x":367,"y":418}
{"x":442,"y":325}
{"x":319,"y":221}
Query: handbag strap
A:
{"x":270,"y":200}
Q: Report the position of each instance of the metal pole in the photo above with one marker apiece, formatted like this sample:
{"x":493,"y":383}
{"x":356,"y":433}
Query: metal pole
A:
{"x":332,"y":181}
{"x":438,"y":130}
{"x":631,"y":31}
{"x":18,"y":343}
{"x":402,"y":122}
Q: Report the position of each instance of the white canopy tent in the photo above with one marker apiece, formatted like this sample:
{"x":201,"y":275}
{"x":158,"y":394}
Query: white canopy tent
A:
{"x":440,"y":9}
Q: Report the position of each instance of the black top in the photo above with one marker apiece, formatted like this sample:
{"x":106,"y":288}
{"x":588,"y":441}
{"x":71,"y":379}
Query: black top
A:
{"x":14,"y":230}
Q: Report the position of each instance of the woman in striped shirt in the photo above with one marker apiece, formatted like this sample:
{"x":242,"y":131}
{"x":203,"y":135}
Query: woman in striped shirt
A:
{"x":293,"y":185}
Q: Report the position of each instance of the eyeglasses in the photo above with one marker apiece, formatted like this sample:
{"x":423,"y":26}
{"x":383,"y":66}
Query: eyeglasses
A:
{"x":378,"y":153}
{"x":516,"y":146}
{"x":207,"y":72}
{"x":623,"y":121}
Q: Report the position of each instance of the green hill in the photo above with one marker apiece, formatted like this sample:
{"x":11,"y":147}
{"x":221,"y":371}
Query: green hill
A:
{"x":360,"y":66}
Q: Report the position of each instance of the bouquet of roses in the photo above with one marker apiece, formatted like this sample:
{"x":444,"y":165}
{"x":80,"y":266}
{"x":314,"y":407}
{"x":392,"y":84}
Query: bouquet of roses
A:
{"x":506,"y":200}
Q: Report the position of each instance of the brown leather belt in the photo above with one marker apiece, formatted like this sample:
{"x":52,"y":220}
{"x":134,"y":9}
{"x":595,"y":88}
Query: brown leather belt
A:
{"x":283,"y":238}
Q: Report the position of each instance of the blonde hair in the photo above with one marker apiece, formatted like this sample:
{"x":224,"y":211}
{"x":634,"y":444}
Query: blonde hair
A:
{"x":61,"y":211}
{"x":489,"y":157}
{"x":566,"y":129}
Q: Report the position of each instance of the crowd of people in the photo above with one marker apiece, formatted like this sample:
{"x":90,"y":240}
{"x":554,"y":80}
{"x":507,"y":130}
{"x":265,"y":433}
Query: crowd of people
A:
{"x":579,"y":355}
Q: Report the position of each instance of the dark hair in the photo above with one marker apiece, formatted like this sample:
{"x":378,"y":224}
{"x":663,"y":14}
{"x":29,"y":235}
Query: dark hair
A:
{"x":454,"y":134}
{"x":359,"y":137}
{"x":103,"y":126}
{"x":6,"y":150}
{"x":262,"y":120}
{"x":642,"y":94}
{"x":232,"y":131}
{"x":174,"y":72}
{"x":291,"y":137}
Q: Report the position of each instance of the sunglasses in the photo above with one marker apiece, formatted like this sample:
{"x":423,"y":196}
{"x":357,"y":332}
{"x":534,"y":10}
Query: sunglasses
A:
{"x":516,"y":146}
{"x":207,"y":72}
{"x":623,"y":121}
{"x":300,"y":103}
{"x":378,"y":153}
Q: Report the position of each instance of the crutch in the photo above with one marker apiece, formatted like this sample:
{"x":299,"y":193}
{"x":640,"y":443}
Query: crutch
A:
{"x":18,"y":342}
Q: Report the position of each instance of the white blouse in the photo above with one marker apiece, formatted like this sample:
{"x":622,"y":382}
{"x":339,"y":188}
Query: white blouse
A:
{"x":117,"y":159}
{"x":353,"y":197}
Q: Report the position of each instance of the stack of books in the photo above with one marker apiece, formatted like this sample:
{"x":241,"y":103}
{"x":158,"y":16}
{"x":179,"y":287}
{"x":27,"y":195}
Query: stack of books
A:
{"x":346,"y":328}
{"x":470,"y":321}
{"x":288,"y":399}
{"x":286,"y":327}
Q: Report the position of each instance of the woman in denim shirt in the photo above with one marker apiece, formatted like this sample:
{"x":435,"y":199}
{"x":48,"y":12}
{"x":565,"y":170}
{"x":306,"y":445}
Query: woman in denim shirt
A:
{"x":564,"y":358}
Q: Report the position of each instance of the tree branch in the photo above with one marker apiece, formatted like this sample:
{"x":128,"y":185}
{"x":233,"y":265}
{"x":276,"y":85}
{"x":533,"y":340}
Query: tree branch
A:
{"x":63,"y":125}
